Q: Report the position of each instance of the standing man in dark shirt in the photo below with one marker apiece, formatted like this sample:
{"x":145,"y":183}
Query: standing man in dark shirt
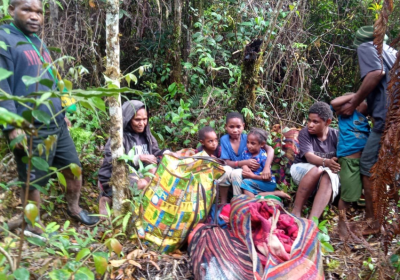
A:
{"x":373,"y":88}
{"x":315,"y":168}
{"x":27,"y":60}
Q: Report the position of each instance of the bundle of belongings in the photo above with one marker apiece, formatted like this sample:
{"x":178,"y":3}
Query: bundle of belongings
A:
{"x":263,"y":241}
{"x":178,"y":198}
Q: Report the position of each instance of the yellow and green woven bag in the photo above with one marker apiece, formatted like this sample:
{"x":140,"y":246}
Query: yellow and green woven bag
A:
{"x":177,"y":199}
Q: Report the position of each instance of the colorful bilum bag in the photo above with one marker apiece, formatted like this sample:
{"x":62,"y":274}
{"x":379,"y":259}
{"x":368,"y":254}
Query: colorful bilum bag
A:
{"x":177,"y":199}
{"x":303,"y":262}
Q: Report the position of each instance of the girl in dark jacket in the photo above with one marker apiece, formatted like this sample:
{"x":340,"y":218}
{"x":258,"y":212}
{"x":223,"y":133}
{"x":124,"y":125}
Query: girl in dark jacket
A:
{"x":136,"y":136}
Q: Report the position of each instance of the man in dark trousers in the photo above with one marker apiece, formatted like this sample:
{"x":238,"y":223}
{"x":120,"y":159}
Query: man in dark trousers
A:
{"x":27,"y":60}
{"x":373,"y":88}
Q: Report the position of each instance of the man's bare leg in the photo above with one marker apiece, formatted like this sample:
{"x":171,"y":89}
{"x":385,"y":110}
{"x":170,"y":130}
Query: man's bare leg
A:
{"x":73,"y":193}
{"x":342,"y":228}
{"x":306,"y":187}
{"x":323,"y":196}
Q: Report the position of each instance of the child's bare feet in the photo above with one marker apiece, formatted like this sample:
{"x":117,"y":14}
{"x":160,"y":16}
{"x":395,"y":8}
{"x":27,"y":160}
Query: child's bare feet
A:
{"x":282,"y":194}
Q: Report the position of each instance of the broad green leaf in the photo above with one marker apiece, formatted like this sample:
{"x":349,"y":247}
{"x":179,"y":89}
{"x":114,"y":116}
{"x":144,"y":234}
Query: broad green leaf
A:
{"x":54,"y":49}
{"x":28,"y":80}
{"x":36,"y":241}
{"x":327,"y":247}
{"x":66,"y":224}
{"x":40,"y":189}
{"x":99,"y":103}
{"x":40,"y":149}
{"x":125,"y":221}
{"x":61,"y":179}
{"x":40,"y":163}
{"x":17,"y":140}
{"x":4,"y":74}
{"x":75,"y":169}
{"x":275,"y":167}
{"x":68,"y":84}
{"x":82,"y":253}
{"x":46,"y":82}
{"x":60,"y":274}
{"x":21,"y":274}
{"x":20,"y":43}
{"x":3,"y":45}
{"x":41,"y":116}
{"x":61,"y":86}
{"x":100,"y":264}
{"x":31,"y":212}
{"x":27,"y":115}
{"x":84,"y":273}
{"x":114,"y":245}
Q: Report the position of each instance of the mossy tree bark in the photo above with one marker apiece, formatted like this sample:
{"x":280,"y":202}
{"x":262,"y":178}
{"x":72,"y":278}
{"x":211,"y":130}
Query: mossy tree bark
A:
{"x":246,"y":95}
{"x":175,"y":76}
{"x":118,"y":180}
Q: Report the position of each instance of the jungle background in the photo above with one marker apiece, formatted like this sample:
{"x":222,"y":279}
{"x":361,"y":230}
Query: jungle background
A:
{"x":201,"y":62}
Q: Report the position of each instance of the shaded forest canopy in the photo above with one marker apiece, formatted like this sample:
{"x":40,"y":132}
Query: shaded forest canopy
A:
{"x":309,"y":55}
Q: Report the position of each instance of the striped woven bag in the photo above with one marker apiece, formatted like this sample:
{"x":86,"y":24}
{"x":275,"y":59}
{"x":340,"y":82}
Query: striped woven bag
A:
{"x":305,"y":260}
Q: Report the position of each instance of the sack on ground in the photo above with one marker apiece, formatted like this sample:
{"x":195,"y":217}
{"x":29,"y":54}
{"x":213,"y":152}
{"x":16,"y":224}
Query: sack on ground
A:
{"x":177,"y":199}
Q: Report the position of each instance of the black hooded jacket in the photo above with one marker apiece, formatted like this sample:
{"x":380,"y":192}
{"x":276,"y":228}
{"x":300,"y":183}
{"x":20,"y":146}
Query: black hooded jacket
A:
{"x":143,"y":143}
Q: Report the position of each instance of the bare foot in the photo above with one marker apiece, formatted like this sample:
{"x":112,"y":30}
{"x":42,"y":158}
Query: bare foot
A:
{"x":371,"y":228}
{"x":342,"y":229}
{"x":282,"y":194}
{"x":104,"y":200}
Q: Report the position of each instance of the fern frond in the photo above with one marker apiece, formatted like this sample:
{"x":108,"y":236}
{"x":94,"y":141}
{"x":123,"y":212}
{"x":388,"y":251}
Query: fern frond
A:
{"x":380,"y":25}
{"x":385,"y":171}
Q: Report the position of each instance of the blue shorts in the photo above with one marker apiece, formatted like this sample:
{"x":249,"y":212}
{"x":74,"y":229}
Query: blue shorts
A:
{"x":257,"y":186}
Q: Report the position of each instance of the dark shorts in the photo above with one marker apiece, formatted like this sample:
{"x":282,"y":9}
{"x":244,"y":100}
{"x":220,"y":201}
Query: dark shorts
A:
{"x":62,"y":154}
{"x":370,"y":153}
{"x":350,"y":179}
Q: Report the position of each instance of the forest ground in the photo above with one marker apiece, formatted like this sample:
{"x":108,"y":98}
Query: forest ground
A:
{"x":348,"y":261}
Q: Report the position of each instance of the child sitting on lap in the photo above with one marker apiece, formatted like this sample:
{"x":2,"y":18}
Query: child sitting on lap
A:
{"x":253,"y":183}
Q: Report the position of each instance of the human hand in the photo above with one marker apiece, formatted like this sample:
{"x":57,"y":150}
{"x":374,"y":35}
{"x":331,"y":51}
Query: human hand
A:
{"x":266,"y":173}
{"x":14,"y":134}
{"x":151,"y":159}
{"x":247,"y":173}
{"x":333,"y":164}
{"x":347,"y":109}
{"x":252,"y":164}
{"x":245,"y":167}
{"x":68,"y":122}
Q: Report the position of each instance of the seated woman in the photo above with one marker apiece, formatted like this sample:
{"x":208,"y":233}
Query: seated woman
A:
{"x":316,"y":166}
{"x":136,"y":136}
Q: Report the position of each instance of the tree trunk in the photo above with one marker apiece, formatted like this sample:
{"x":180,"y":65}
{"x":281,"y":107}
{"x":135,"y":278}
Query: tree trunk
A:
{"x":246,"y":97}
{"x":118,"y":179}
{"x":176,"y":48}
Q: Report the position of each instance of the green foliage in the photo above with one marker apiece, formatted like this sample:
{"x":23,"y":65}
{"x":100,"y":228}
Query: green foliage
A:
{"x":323,"y":235}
